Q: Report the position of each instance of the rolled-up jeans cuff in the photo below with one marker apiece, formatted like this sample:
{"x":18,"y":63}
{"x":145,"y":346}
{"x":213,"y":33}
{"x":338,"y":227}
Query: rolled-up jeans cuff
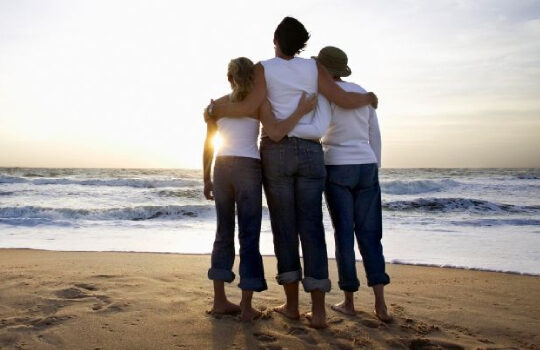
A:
{"x":289,"y":277}
{"x":350,"y":286}
{"x":221,"y":275}
{"x":380,"y":278}
{"x":311,"y":284}
{"x":254,"y":284}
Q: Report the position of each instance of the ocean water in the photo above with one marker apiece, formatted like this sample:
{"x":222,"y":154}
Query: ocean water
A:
{"x":485,"y":219}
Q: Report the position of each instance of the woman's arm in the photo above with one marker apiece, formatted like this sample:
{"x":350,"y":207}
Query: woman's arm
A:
{"x":249,"y":106}
{"x":277,"y":129}
{"x":322,"y":116}
{"x":208,"y":157}
{"x":333,"y":92}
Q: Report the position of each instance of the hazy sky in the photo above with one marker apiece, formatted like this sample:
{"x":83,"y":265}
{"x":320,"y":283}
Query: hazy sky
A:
{"x":123,"y":83}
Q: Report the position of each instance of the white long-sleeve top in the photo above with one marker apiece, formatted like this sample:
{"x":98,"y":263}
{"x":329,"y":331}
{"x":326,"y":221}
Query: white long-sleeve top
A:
{"x":353,"y":136}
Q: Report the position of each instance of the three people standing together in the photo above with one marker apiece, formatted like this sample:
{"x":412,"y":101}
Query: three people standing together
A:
{"x":296,"y":100}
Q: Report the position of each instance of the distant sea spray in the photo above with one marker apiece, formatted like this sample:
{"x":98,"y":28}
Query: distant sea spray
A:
{"x":123,"y":182}
{"x":475,"y":218}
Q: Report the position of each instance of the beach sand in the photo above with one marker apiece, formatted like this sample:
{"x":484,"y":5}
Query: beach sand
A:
{"x":94,"y":300}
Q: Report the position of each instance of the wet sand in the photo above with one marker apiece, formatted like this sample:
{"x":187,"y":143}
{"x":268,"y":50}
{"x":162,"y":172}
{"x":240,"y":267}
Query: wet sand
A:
{"x":94,"y":300}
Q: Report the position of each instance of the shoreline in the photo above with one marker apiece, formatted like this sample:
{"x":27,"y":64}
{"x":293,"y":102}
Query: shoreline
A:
{"x":393,"y":262}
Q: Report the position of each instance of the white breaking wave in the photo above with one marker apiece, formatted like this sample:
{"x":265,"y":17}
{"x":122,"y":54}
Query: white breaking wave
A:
{"x":497,"y":222}
{"x":417,"y":186}
{"x":463,"y":267}
{"x":129,"y":182}
{"x":130,"y":213}
{"x":458,"y":205}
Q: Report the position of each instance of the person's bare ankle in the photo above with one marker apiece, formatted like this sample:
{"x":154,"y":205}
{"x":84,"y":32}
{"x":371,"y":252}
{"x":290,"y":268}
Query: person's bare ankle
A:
{"x":345,"y":308}
{"x":248,"y":313}
{"x":225,"y":307}
{"x":288,"y":311}
{"x":381,"y":311}
{"x":317,"y":320}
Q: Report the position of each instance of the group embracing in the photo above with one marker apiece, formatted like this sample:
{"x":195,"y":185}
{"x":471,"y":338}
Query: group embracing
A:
{"x":320,"y":135}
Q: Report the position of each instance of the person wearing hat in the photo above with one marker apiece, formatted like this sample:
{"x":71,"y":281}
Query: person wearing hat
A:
{"x":294,"y":173}
{"x":352,"y":154}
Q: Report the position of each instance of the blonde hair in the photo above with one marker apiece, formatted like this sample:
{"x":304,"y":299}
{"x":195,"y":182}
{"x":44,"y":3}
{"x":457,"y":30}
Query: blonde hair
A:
{"x":241,"y":76}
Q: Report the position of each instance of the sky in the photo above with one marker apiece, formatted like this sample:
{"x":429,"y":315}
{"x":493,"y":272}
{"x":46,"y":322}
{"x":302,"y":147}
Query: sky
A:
{"x":123,"y":83}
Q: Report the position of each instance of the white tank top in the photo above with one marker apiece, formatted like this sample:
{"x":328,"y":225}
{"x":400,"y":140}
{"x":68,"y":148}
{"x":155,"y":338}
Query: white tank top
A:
{"x":285,"y":82}
{"x":239,"y":137}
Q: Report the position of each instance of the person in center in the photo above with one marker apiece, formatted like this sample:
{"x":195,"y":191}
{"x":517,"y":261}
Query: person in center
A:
{"x":293,"y":168}
{"x":238,"y":182}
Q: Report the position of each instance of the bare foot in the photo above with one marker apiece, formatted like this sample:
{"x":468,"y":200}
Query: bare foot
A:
{"x":249,"y":314}
{"x":317,"y":322}
{"x":225,"y":308}
{"x":291,"y":313}
{"x":381,"y":312}
{"x":344,"y":308}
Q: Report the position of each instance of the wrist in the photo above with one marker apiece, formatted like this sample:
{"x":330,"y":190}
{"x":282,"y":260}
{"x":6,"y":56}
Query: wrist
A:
{"x":210,"y":110}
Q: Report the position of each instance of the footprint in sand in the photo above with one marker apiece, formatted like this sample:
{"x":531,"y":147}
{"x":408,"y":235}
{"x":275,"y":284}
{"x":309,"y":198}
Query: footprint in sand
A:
{"x":71,"y":293}
{"x":297,"y":331}
{"x":396,"y":344}
{"x":334,"y":320}
{"x":271,"y":347}
{"x":105,"y":276}
{"x":433,"y":344}
{"x":264,"y":337}
{"x":86,"y":286}
{"x":302,"y":334}
{"x":46,"y":322}
{"x":340,"y":345}
{"x":370,"y":323}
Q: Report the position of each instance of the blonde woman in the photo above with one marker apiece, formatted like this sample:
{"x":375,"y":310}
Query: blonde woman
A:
{"x":238,"y":182}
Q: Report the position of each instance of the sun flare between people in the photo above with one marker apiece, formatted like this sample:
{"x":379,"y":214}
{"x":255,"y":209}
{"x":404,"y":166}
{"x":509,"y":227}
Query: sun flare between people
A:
{"x":217,"y":141}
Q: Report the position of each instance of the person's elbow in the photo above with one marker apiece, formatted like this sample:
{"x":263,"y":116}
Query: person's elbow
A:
{"x":276,"y":136}
{"x":276,"y":133}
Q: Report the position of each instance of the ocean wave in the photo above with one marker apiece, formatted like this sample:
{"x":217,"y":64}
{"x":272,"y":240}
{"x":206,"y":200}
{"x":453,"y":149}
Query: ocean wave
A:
{"x":497,"y":222}
{"x":457,"y":205}
{"x":460,"y":267}
{"x":6,"y":193}
{"x":127,"y":182}
{"x":527,"y":176}
{"x":129,"y":213}
{"x":194,"y":193}
{"x":417,"y":186}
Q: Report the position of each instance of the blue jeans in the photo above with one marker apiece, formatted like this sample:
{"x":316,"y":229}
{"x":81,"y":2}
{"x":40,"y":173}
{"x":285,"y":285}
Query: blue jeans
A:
{"x":353,"y":196}
{"x":294,"y":178}
{"x":238,"y":180}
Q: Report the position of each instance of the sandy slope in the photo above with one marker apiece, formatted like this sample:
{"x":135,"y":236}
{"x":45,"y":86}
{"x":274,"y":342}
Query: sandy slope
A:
{"x":65,"y":300}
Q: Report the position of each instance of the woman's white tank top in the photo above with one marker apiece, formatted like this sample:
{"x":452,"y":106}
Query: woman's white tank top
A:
{"x":239,"y":137}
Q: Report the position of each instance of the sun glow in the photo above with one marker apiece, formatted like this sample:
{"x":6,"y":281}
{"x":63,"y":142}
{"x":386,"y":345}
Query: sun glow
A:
{"x":217,"y":141}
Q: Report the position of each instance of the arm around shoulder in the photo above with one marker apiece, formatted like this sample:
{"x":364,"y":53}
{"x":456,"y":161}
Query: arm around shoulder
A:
{"x":333,"y":92}
{"x":250,"y":105}
{"x":278,"y":129}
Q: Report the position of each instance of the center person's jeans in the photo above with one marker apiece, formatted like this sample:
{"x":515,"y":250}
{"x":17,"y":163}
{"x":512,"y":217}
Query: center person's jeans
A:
{"x":294,"y":178}
{"x":238,"y":180}
{"x":353,"y":196}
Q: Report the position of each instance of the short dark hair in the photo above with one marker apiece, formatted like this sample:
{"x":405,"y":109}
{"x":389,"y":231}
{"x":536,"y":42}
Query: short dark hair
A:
{"x":291,"y":36}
